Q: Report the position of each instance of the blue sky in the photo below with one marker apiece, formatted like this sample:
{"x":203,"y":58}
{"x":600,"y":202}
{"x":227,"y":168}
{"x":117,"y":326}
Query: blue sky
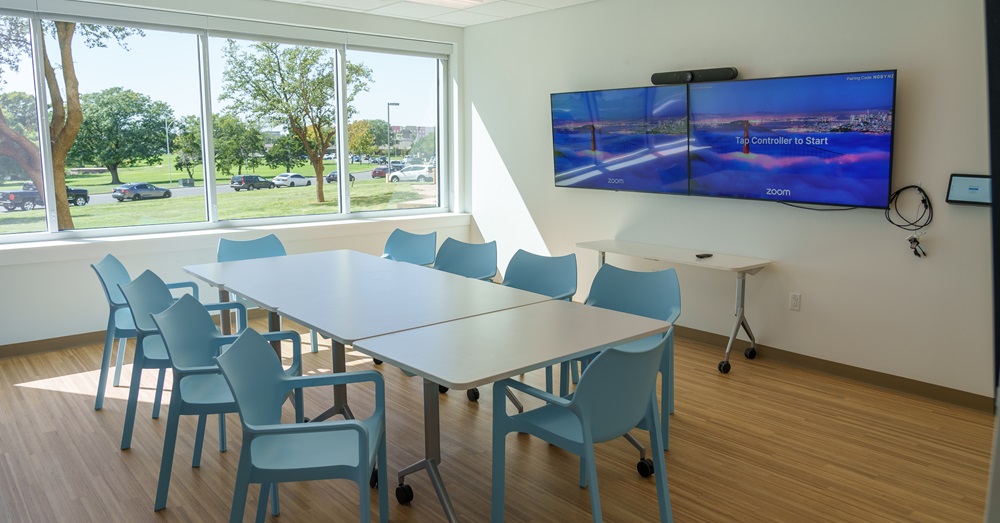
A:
{"x":164,"y":66}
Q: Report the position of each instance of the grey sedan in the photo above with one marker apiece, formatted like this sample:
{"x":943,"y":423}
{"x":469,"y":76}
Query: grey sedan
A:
{"x":139,"y":191}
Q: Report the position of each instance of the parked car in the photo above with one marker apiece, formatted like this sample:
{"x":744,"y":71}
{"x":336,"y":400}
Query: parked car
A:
{"x":380,"y":172}
{"x":381,"y":160}
{"x":330,"y":156}
{"x":291,"y":180}
{"x":413,"y":173}
{"x":139,"y":191}
{"x":250,"y":182}
{"x":396,"y":165}
{"x":355,"y":158}
{"x":332,"y":177}
{"x":28,"y":198}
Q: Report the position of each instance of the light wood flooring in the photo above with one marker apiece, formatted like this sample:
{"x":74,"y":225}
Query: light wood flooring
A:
{"x":767,"y":442}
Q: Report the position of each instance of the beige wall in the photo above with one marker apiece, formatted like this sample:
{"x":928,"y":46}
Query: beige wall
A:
{"x":866,"y":300}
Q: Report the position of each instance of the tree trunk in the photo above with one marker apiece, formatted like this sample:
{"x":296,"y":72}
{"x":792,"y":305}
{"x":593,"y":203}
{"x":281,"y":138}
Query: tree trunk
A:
{"x":318,"y":169}
{"x":113,"y":169}
{"x":65,"y":125}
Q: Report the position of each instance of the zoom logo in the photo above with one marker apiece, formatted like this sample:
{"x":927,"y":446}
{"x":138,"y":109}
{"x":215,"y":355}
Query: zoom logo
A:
{"x":778,"y":192}
{"x":616,"y":181}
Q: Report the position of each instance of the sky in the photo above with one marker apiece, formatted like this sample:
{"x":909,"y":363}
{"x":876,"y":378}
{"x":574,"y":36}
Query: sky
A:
{"x":164,"y":66}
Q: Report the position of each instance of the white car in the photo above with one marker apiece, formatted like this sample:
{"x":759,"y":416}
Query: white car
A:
{"x":291,"y":180}
{"x":413,"y":173}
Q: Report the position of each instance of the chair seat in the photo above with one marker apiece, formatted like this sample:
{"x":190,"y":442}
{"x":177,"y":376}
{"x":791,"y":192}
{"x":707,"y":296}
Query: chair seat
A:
{"x":298,"y":453}
{"x":554,"y":424}
{"x":207,"y":390}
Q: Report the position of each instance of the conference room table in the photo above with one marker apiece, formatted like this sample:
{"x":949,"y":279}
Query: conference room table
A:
{"x":449,"y":330}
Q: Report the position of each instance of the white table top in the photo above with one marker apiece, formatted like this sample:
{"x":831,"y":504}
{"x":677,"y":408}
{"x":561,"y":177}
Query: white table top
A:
{"x":719,"y":261}
{"x":348,"y":295}
{"x":482,"y":349}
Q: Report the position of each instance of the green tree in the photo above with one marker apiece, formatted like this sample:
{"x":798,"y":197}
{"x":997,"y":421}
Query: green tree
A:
{"x":360,"y":139}
{"x":238,"y":144}
{"x":121,"y":128}
{"x":66,"y":115}
{"x":380,"y":132}
{"x":286,"y":152}
{"x":187,"y":145}
{"x":19,"y":110}
{"x":291,"y":86}
{"x":425,"y":146}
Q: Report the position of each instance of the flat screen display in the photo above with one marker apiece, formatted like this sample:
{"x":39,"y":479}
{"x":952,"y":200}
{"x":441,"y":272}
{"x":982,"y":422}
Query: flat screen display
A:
{"x":824,"y":139}
{"x":631,"y":139}
{"x":972,"y":189}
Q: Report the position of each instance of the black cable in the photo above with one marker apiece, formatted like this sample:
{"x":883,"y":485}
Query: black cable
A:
{"x":817,"y":209}
{"x":921,"y":221}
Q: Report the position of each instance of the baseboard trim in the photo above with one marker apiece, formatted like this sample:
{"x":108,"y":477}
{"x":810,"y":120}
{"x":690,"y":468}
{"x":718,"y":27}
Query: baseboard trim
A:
{"x":880,"y":379}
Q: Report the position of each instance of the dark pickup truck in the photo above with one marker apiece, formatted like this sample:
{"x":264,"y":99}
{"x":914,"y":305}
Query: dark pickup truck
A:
{"x":28,"y":198}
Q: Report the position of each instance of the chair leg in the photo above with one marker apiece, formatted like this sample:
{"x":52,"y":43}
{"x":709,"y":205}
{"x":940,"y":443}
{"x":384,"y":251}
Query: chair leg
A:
{"x":158,"y":397}
{"x":364,"y":493}
{"x":167,"y":457}
{"x":548,"y":379}
{"x":222,"y":432}
{"x":383,"y":482}
{"x":275,"y":504}
{"x":659,"y":465}
{"x":199,"y":440}
{"x":265,"y":489}
{"x":574,"y":372}
{"x":242,"y":485}
{"x":133,"y":400}
{"x":313,"y":341}
{"x":120,"y":360}
{"x":595,"y":496}
{"x":102,"y":382}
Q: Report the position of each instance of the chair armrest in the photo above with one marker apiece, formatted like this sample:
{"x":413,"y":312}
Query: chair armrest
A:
{"x":187,"y":371}
{"x":296,"y":339}
{"x":316,"y":426}
{"x":340,"y":378}
{"x":185,"y":285}
{"x":241,"y":310}
{"x":532,"y":391}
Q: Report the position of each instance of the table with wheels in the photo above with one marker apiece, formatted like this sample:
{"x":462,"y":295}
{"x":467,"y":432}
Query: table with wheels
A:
{"x":507,"y":343}
{"x":741,"y":265}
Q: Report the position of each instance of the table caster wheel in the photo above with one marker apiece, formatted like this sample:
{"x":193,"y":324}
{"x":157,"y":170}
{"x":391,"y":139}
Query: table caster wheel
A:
{"x":373,"y":481}
{"x":473,"y":394}
{"x":442,"y":389}
{"x":645,"y":467}
{"x":377,"y":361}
{"x":404,"y":493}
{"x":724,"y":367}
{"x":750,"y":353}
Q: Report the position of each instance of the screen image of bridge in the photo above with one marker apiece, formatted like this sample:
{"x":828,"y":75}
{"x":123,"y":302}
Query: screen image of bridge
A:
{"x":623,"y":139}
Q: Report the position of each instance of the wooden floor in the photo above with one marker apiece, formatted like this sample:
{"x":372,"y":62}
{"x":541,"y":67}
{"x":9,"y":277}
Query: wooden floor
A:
{"x":767,"y":442}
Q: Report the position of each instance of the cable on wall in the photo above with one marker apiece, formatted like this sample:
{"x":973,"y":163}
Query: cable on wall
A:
{"x":924,"y":216}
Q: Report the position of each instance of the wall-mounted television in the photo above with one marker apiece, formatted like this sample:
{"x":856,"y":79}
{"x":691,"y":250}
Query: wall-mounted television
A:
{"x":631,"y":139}
{"x":823,"y":139}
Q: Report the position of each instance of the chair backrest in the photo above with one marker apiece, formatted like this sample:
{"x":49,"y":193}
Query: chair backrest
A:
{"x":472,"y":260}
{"x":263,"y":247}
{"x":654,"y":294}
{"x":409,"y":247}
{"x":189,"y":334}
{"x":553,"y":276}
{"x":146,"y":295}
{"x":112,"y":273}
{"x":615,"y":390}
{"x":254,"y":373}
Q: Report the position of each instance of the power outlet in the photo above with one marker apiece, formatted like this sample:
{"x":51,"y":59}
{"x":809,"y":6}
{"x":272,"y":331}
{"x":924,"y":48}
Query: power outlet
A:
{"x":795,"y":301}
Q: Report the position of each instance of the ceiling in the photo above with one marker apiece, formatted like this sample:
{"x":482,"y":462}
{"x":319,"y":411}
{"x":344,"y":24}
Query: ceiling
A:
{"x":461,"y":13}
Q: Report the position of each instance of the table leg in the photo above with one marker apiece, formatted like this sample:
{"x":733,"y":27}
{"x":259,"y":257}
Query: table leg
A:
{"x":339,"y":391}
{"x":741,"y":322}
{"x":274,"y":325}
{"x":432,"y":450}
{"x":225,"y":321}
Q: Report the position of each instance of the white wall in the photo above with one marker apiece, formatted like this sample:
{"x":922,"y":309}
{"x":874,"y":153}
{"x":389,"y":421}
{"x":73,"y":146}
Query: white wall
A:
{"x":866,"y":300}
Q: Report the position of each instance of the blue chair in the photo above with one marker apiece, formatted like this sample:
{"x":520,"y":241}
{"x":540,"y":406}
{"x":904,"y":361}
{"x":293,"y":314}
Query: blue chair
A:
{"x":263,"y":247}
{"x":192,"y":341}
{"x":112,"y":273}
{"x":147,"y":295}
{"x":274,"y":453}
{"x":653,"y":295}
{"x":472,"y":260}
{"x":409,"y":247}
{"x":553,"y":276}
{"x":616,"y":392}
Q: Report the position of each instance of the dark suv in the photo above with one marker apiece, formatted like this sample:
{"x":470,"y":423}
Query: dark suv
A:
{"x":250,"y":182}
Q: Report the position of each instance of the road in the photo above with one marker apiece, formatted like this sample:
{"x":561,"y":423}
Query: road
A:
{"x":181,"y":192}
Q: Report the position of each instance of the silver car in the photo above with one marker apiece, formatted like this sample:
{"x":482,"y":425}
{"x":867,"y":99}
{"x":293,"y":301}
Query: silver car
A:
{"x":139,"y":191}
{"x":412,"y":173}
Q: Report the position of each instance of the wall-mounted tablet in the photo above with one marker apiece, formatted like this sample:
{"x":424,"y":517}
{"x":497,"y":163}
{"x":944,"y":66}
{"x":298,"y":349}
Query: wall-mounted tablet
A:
{"x":969,"y":189}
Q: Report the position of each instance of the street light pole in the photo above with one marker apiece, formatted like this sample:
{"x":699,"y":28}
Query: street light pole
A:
{"x":166,"y":131}
{"x":388,"y":143}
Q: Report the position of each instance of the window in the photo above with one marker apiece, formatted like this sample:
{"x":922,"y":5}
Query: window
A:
{"x":395,"y":158}
{"x":294,"y":130}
